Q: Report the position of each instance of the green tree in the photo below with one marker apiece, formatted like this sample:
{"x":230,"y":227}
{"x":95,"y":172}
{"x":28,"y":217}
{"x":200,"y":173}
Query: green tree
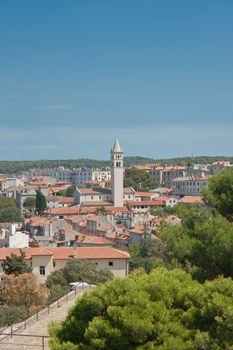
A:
{"x":202,"y":244}
{"x":101,"y":210}
{"x":29,"y":203}
{"x":219,"y":193}
{"x":76,"y":270}
{"x":162,"y":310}
{"x":41,"y":203}
{"x":8,"y":210}
{"x":16,"y":265}
{"x":146,"y":255}
{"x":70,"y":191}
{"x":11,"y":314}
{"x":140,"y":180}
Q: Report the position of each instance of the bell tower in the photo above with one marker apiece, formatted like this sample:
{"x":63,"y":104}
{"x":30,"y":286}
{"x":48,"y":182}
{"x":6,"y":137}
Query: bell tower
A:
{"x":117,"y":174}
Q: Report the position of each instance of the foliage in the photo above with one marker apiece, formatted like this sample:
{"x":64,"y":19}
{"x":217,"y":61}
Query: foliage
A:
{"x":29,"y":203}
{"x":70,"y":191}
{"x":41,"y":203}
{"x":16,"y":265}
{"x":202,"y":244}
{"x":159,"y":211}
{"x":56,"y":292}
{"x":101,"y":210}
{"x":14,"y":167}
{"x":219,"y":193}
{"x":162,"y":310}
{"x":11,"y":314}
{"x":140,"y":180}
{"x":8,"y":210}
{"x":61,"y":193}
{"x":145,"y":255}
{"x":76,"y":270}
{"x":24,"y":290}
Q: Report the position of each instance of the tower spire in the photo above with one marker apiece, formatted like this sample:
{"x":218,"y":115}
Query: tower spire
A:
{"x":117,"y":147}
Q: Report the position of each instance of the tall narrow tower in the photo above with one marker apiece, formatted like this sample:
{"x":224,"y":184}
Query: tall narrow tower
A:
{"x":117,"y":174}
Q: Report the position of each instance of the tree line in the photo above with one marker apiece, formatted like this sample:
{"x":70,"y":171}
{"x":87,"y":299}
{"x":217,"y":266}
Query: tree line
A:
{"x":17,"y":167}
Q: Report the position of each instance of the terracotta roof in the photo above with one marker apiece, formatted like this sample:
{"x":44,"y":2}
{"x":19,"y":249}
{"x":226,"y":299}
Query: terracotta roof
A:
{"x":96,"y":203}
{"x":101,"y":253}
{"x":65,"y":253}
{"x":191,"y":199}
{"x":42,"y":252}
{"x":128,"y":190}
{"x":137,"y":229}
{"x":88,"y":191}
{"x":144,"y":194}
{"x":145,"y":203}
{"x":92,"y":239}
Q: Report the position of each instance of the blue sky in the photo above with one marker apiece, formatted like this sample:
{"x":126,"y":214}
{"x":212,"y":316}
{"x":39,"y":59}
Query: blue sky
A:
{"x":74,"y":74}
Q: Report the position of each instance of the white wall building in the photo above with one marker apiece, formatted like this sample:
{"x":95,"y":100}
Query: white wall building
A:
{"x":189,"y":186}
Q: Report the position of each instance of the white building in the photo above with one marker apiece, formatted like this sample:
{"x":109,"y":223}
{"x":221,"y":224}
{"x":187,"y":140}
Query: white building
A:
{"x":17,"y":239}
{"x":83,"y":175}
{"x":189,"y":186}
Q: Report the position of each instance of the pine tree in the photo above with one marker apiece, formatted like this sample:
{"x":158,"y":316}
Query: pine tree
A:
{"x":41,"y":203}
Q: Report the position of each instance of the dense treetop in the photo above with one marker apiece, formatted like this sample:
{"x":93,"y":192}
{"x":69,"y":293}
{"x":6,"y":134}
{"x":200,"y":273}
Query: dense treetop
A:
{"x":162,"y":310}
{"x":16,"y":265}
{"x":140,"y":180}
{"x":219,"y":194}
{"x":8,"y":210}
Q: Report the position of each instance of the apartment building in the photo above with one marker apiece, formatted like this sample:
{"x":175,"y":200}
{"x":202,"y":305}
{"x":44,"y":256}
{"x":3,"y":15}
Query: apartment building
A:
{"x":189,"y":186}
{"x":164,"y":175}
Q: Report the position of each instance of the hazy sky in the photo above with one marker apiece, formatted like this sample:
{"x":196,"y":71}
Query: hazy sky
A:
{"x":74,"y":74}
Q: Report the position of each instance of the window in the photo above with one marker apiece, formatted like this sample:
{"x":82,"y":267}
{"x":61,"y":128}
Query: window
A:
{"x":54,"y":263}
{"x":110,"y":263}
{"x":96,"y":264}
{"x":42,"y":270}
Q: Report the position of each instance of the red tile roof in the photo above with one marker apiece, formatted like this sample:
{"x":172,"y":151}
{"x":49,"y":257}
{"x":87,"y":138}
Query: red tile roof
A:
{"x":66,"y":253}
{"x":191,"y":199}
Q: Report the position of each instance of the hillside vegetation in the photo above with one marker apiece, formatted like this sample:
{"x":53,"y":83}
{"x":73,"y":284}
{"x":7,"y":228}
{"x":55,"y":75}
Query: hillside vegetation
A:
{"x":15,"y":167}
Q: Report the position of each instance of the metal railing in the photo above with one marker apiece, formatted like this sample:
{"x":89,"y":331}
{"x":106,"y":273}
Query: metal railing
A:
{"x":42,"y":341}
{"x":13,"y":329}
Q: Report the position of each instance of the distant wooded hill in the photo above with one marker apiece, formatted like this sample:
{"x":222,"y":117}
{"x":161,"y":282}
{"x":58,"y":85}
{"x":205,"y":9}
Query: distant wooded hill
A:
{"x":16,"y":167}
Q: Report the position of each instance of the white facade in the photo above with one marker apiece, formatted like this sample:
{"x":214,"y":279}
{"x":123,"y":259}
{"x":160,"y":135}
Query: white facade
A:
{"x":82,"y":176}
{"x":189,"y":186}
{"x":117,"y":174}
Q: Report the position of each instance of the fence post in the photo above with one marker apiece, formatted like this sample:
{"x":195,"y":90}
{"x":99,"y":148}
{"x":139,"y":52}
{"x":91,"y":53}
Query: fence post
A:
{"x":11,"y":330}
{"x":25,"y":324}
{"x":48,"y":309}
{"x":43,"y":343}
{"x":37,"y":316}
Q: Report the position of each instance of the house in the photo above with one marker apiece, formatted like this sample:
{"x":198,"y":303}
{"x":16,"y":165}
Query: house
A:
{"x":45,"y":260}
{"x":136,"y":235}
{"x":164,"y":175}
{"x":59,"y":201}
